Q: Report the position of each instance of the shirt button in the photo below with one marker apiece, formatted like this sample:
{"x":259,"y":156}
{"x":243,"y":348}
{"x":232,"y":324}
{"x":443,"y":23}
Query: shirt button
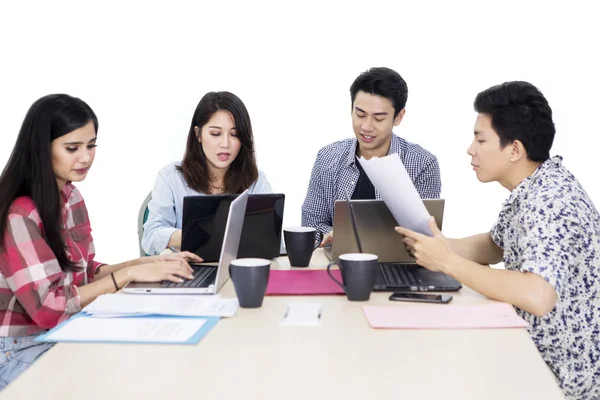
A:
{"x":36,"y":286}
{"x":8,"y":354}
{"x":15,"y":341}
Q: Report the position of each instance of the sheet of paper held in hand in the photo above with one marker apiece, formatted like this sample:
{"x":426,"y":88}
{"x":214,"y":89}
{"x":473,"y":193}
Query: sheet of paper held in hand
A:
{"x":397,"y":190}
{"x":112,"y":305}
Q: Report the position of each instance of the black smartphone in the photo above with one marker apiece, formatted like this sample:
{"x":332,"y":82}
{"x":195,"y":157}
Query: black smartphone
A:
{"x":421,"y":297}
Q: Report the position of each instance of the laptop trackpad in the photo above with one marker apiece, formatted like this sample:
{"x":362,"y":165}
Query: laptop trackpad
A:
{"x":427,"y":276}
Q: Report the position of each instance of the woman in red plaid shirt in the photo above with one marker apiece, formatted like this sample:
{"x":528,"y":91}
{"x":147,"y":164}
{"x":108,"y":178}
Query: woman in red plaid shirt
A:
{"x":47,"y":266}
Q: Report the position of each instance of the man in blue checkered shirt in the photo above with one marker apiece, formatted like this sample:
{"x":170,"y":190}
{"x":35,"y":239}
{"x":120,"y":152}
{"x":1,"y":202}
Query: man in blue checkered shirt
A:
{"x":378,"y":99}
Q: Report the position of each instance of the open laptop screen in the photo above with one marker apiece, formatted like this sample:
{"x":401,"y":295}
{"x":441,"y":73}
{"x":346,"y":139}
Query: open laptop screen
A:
{"x":374,"y":225}
{"x":204,"y":225}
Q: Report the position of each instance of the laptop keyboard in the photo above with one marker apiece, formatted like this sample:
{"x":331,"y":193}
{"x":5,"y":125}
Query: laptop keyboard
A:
{"x":202,"y":275}
{"x":399,"y":274}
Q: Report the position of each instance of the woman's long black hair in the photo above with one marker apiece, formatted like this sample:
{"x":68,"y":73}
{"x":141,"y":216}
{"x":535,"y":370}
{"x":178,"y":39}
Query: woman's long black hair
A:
{"x":29,"y":169}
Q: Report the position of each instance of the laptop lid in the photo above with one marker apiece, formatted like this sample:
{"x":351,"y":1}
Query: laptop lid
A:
{"x":231,"y":241}
{"x":374,"y":225}
{"x":232,"y":212}
{"x":203,"y":230}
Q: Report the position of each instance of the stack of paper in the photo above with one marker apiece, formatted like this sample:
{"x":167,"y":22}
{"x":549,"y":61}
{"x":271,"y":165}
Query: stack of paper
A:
{"x":116,"y":305}
{"x":156,"y":330}
{"x":128,"y":318}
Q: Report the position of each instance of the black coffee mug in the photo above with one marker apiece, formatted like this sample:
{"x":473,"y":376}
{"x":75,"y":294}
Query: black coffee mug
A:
{"x":359,"y":271}
{"x":300,"y":242}
{"x":250,"y":277}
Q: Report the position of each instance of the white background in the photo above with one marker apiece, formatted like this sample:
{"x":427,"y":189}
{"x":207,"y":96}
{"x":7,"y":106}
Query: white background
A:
{"x":143,"y":67}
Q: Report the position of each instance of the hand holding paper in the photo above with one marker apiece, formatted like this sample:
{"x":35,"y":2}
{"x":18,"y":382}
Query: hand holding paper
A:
{"x":397,"y":190}
{"x":429,"y":252}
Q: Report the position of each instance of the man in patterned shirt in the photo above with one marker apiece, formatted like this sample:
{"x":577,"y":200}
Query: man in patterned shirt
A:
{"x":547,"y":233}
{"x":378,"y":99}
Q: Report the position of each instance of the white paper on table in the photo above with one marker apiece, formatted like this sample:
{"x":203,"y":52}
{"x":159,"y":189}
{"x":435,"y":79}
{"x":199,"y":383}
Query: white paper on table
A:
{"x":117,"y":315}
{"x":180,"y":305}
{"x":303,"y":314}
{"x":397,"y":190}
{"x":155,"y":330}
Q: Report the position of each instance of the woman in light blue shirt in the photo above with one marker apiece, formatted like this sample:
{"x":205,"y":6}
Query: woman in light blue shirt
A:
{"x":219,"y":158}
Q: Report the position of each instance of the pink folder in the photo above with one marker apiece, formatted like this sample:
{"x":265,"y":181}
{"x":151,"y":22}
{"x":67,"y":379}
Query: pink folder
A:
{"x":493,"y":315}
{"x":295,"y":282}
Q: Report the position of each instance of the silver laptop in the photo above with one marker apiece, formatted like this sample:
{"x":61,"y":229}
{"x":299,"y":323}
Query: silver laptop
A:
{"x":208,"y":279}
{"x":375,"y":224}
{"x":367,"y":226}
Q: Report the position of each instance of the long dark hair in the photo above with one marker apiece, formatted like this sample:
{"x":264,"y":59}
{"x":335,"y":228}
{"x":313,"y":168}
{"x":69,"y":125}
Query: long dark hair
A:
{"x":29,"y":169}
{"x":242,"y":172}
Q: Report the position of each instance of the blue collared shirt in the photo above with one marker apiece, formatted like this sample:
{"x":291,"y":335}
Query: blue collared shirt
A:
{"x":335,"y":172}
{"x":165,"y":210}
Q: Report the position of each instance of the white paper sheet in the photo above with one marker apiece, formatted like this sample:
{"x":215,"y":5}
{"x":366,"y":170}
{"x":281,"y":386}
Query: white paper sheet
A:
{"x":303,"y":314}
{"x":180,"y":305}
{"x":150,"y":330}
{"x":397,"y":190}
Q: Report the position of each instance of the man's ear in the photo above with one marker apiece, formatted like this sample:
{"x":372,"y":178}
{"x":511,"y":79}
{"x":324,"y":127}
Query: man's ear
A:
{"x":197,"y":131}
{"x":399,"y":117}
{"x":517,"y":151}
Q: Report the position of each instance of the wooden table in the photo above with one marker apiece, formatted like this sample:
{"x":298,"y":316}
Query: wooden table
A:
{"x":250,"y":356}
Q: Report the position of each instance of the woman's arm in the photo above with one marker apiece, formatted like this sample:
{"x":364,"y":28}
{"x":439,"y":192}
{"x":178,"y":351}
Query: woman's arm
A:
{"x":173,"y":270}
{"x":162,"y":219}
{"x":175,"y":239}
{"x":40,"y":285}
{"x":105,"y":270}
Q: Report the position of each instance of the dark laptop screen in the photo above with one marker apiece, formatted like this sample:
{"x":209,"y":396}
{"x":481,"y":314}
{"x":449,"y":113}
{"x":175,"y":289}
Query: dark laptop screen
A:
{"x":204,"y":219}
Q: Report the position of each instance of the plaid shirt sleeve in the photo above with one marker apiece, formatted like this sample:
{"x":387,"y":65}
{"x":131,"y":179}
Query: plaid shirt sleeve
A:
{"x":93,"y":265}
{"x":34,"y":275}
{"x":84,"y":235}
{"x":317,"y":207}
{"x":93,"y":269}
{"x":428,"y":183}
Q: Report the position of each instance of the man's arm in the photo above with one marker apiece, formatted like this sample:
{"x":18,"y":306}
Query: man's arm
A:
{"x":525,"y":290}
{"x":315,"y":210}
{"x":429,"y":181}
{"x":478,"y":248}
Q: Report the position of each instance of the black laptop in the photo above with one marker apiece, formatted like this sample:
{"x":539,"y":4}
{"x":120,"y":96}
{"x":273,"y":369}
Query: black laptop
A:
{"x":202,"y":231}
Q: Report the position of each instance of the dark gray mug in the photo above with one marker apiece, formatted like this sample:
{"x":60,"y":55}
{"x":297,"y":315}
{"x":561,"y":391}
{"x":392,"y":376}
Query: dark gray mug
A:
{"x":250,"y":277}
{"x":300,"y":242}
{"x":359,"y":271}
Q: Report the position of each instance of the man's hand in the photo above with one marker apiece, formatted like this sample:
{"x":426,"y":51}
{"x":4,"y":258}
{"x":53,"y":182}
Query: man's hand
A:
{"x":432,"y":253}
{"x":327,"y":239}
